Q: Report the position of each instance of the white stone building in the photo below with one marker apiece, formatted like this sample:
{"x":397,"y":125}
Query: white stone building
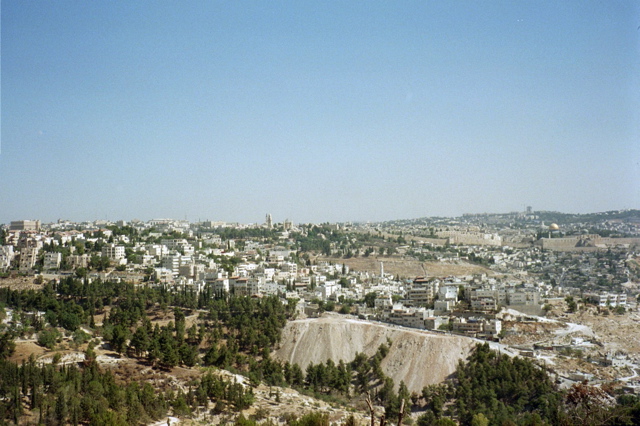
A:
{"x":115,"y":253}
{"x":52,"y":261}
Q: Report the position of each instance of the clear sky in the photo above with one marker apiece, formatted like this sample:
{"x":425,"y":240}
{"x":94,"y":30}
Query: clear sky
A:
{"x":317,"y":111}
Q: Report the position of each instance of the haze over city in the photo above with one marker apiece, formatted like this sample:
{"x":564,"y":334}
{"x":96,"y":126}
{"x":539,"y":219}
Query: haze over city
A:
{"x":317,"y":111}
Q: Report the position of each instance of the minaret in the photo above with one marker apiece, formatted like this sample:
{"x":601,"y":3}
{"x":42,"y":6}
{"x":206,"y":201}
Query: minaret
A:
{"x":269,"y":222}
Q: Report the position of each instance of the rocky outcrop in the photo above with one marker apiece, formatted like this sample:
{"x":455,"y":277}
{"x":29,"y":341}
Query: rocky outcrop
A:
{"x":418,"y":358}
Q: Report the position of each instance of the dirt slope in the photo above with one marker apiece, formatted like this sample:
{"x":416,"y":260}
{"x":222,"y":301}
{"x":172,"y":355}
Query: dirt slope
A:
{"x":419,"y":358}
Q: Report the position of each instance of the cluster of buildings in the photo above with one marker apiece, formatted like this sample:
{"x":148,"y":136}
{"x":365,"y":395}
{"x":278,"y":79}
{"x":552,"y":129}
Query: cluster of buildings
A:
{"x":464,"y":305}
{"x":195,"y":257}
{"x":23,"y":243}
{"x":202,"y":260}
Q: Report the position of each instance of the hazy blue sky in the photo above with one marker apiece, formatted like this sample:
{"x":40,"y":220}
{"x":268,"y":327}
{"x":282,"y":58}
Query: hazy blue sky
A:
{"x":317,"y":111}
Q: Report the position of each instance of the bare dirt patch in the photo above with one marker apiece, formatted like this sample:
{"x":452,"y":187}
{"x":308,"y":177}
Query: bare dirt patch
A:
{"x":25,"y":349}
{"x":616,"y":332}
{"x":521,"y":333}
{"x":408,"y":267}
{"x":582,"y":339}
{"x":20,"y":283}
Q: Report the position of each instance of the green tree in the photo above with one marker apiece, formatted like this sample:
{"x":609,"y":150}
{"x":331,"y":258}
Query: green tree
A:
{"x":119,"y":338}
{"x":311,"y":419}
{"x":479,"y":420}
{"x":7,"y":345}
{"x":139,"y":341}
{"x":48,"y":338}
{"x":169,"y":356}
{"x":370,"y":299}
{"x":61,"y":408}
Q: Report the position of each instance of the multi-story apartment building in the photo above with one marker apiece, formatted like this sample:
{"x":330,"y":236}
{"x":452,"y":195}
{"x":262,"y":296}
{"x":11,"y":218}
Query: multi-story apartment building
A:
{"x":421,"y":292}
{"x":180,"y":245}
{"x":475,"y":326}
{"x":239,"y":285}
{"x":408,"y":318}
{"x":212,"y":239}
{"x":470,"y":326}
{"x":607,"y":299}
{"x":523,"y":297}
{"x":448,"y":292}
{"x":174,"y":261}
{"x":254,"y":286}
{"x":483,"y":304}
{"x":157,"y":250}
{"x":28,"y":258}
{"x":52,"y":261}
{"x":163,"y":275}
{"x":493,"y":327}
{"x":6,"y":257}
{"x":290,"y":267}
{"x":221,"y":285}
{"x":383,"y":302}
{"x":78,"y":261}
{"x":187,"y":270}
{"x":113,"y":252}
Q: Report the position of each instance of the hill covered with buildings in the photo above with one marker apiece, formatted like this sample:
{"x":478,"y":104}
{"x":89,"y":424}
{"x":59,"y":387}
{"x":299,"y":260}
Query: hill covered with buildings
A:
{"x":335,"y":310}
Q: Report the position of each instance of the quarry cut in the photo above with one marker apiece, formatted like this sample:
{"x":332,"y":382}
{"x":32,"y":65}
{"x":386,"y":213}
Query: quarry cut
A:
{"x":418,"y":358}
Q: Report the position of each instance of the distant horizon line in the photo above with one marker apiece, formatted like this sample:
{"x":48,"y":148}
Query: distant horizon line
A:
{"x":322,"y":222}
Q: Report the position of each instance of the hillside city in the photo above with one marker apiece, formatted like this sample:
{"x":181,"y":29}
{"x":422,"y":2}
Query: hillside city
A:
{"x":559,"y":289}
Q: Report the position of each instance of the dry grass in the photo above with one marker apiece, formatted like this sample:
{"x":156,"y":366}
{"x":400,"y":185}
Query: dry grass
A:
{"x":25,"y":349}
{"x":20,"y":283}
{"x":407,"y":267}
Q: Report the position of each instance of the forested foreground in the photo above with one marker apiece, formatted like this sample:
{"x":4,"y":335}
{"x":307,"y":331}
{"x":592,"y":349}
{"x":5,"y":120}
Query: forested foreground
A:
{"x":160,"y":329}
{"x":494,"y":389}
